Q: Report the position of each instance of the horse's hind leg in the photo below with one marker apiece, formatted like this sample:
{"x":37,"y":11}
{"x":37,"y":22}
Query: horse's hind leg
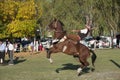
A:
{"x":84,"y":64}
{"x":79,"y":70}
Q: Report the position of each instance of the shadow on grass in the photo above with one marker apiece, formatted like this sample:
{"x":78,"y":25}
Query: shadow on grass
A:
{"x":16,"y":61}
{"x":118,"y":65}
{"x":70,"y":66}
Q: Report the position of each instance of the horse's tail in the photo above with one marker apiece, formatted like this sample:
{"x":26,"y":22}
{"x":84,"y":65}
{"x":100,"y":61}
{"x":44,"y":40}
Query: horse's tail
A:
{"x":93,"y":57}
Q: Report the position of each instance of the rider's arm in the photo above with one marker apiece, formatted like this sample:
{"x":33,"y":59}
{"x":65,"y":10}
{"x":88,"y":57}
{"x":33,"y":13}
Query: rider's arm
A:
{"x":75,"y":30}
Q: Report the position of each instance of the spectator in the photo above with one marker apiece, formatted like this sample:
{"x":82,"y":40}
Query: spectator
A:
{"x":118,"y":40}
{"x":31,"y":47}
{"x":2,"y":52}
{"x":40,"y":47}
{"x":10,"y":53}
{"x":6,"y":48}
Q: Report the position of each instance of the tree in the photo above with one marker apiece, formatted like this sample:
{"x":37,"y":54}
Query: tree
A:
{"x":21,"y":28}
{"x":111,"y":15}
{"x":19,"y":17}
{"x":103,"y":15}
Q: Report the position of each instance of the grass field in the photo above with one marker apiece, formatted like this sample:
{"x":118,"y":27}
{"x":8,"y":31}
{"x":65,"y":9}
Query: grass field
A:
{"x":37,"y":67}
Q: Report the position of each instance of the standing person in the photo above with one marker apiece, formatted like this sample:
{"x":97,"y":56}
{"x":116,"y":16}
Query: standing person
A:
{"x":2,"y":52}
{"x":10,"y":53}
{"x":40,"y":47}
{"x":118,"y":40}
{"x":31,"y":45}
{"x":6,"y":48}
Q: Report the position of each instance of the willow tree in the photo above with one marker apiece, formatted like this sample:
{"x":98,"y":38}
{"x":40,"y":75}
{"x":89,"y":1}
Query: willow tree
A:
{"x":103,"y":15}
{"x":111,"y":14}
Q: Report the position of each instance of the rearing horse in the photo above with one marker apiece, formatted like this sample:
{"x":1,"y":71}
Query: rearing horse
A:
{"x":69,"y":46}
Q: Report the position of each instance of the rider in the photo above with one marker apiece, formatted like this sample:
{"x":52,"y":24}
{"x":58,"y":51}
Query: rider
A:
{"x":83,"y":32}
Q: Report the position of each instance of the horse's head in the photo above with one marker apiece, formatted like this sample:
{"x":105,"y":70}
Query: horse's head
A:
{"x":55,"y":25}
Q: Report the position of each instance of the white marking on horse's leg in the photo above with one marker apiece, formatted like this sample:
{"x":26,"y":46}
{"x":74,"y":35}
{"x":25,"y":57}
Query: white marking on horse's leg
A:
{"x":77,"y":53}
{"x":79,"y":70}
{"x":51,"y":46}
{"x":1,"y":60}
{"x":51,"y":61}
{"x":64,"y":48}
{"x":63,"y":39}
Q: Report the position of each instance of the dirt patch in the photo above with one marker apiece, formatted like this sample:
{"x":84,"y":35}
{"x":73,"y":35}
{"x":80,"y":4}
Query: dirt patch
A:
{"x":102,"y":76}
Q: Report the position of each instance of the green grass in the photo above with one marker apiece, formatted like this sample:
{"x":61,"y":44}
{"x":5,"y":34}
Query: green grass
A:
{"x":37,"y":67}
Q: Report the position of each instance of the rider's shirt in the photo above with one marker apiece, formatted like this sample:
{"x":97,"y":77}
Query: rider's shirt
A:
{"x":84,"y":31}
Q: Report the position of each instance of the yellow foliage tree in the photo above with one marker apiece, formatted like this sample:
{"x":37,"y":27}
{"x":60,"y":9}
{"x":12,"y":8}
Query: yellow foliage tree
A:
{"x":27,"y":10}
{"x":20,"y":17}
{"x":8,"y":10}
{"x":21,"y":28}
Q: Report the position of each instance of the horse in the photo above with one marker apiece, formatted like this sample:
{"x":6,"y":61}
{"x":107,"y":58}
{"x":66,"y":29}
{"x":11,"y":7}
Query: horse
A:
{"x":77,"y":50}
{"x":69,"y":44}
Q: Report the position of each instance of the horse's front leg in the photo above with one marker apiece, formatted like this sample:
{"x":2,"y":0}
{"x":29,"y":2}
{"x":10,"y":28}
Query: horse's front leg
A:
{"x":49,"y":56}
{"x":50,"y":51}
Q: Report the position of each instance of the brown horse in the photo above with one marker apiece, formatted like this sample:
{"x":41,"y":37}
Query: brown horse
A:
{"x":68,"y":44}
{"x":78,"y":50}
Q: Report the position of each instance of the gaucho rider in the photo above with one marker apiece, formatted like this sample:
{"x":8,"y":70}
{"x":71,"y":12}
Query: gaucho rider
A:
{"x":81,"y":33}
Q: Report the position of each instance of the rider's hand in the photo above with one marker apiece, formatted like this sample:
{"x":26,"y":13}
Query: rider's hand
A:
{"x":73,"y":30}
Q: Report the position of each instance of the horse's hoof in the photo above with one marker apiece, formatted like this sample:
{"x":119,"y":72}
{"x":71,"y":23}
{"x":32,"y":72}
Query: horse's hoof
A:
{"x":51,"y":62}
{"x":79,"y":74}
{"x":57,"y":70}
{"x":92,"y":69}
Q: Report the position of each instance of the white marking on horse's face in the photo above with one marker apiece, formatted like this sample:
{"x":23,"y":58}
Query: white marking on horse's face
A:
{"x":51,"y":61}
{"x":79,"y":70}
{"x":64,"y":48}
